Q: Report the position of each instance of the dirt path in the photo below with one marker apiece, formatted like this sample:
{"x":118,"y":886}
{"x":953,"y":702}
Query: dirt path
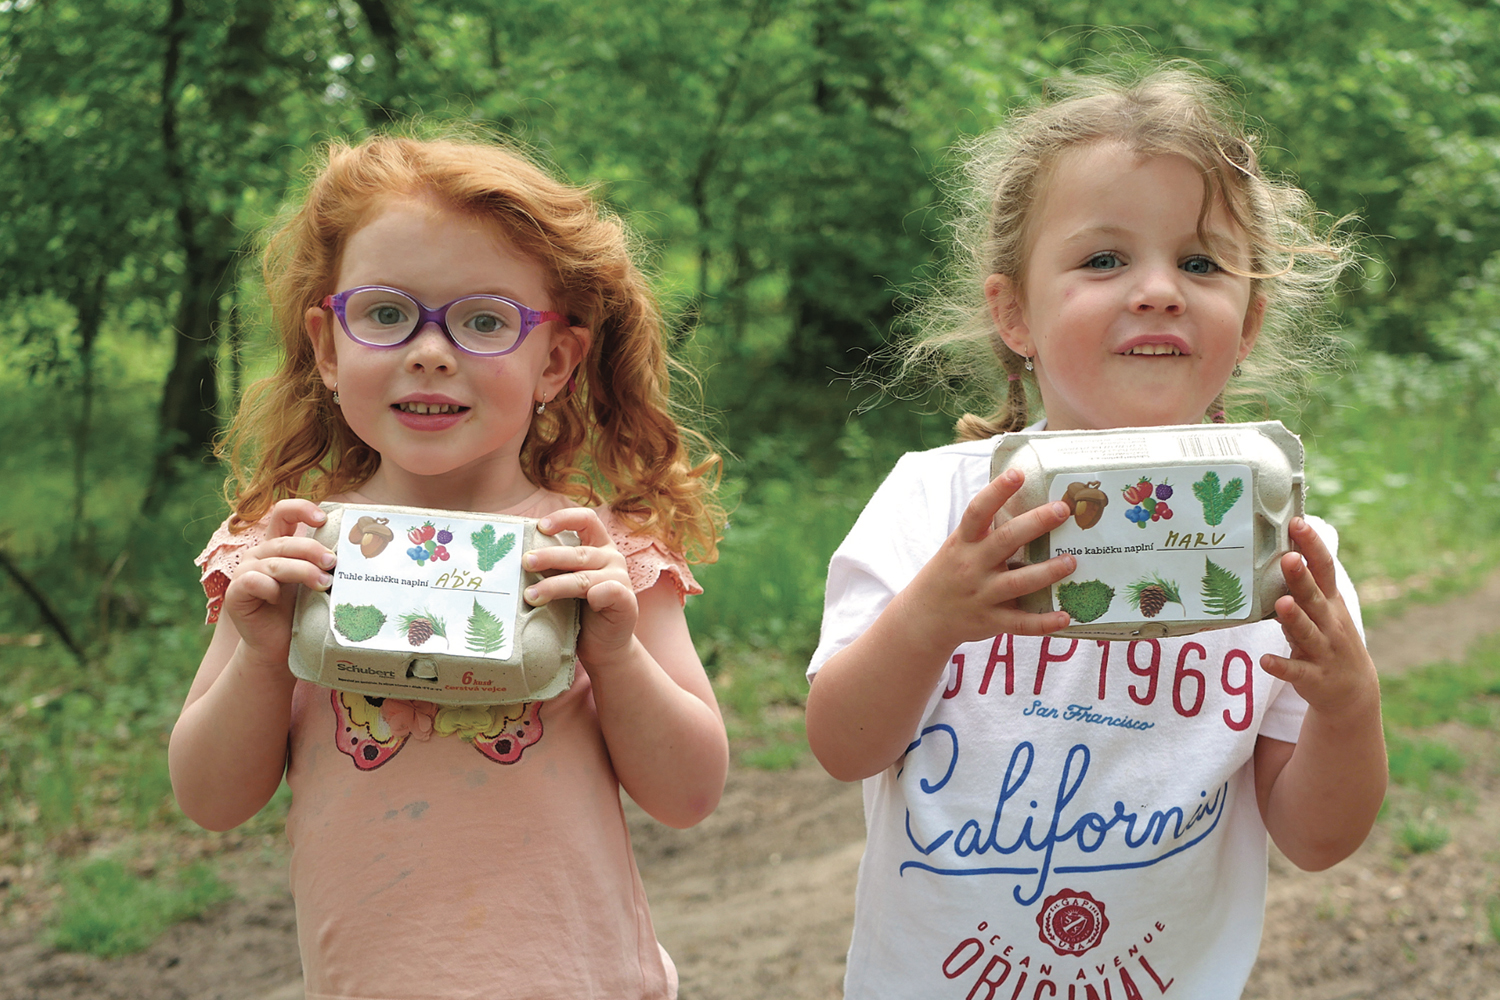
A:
{"x":756,"y":902}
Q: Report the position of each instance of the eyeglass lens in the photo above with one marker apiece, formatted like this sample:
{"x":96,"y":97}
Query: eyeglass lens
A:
{"x":479,"y":323}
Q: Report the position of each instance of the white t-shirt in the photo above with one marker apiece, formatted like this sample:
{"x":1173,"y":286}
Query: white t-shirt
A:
{"x":1073,"y":818}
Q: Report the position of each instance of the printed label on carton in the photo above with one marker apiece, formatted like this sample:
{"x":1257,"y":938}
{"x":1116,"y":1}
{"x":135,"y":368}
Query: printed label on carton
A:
{"x":1157,"y":543}
{"x":435,"y":585}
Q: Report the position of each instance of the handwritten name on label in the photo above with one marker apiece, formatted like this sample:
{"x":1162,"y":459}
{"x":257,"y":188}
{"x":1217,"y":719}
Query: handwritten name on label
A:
{"x":1191,"y":540}
{"x":459,"y":580}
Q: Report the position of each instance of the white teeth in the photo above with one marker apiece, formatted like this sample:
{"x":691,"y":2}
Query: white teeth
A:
{"x":428,"y":408}
{"x":1153,"y":349}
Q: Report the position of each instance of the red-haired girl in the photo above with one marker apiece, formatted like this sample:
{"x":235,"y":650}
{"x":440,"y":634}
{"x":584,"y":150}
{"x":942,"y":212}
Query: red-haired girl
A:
{"x":439,"y":871}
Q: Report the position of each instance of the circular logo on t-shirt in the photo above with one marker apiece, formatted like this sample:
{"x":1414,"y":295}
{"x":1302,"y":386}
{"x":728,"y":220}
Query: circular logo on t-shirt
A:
{"x":1072,"y":922}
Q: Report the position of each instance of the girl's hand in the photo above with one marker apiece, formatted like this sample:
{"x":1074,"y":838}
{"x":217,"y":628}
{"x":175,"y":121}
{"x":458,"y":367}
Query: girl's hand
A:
{"x":967,"y":592}
{"x":594,"y":571}
{"x":1329,"y":665}
{"x":261,"y":597}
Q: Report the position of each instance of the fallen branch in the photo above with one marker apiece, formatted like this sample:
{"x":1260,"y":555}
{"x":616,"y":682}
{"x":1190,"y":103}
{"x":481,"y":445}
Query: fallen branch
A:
{"x":49,"y":613}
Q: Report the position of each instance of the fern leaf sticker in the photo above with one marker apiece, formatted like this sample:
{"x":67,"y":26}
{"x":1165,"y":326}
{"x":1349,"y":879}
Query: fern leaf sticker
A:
{"x":1216,"y":502}
{"x":489,"y":548}
{"x":1221,"y":590}
{"x":486,"y":632}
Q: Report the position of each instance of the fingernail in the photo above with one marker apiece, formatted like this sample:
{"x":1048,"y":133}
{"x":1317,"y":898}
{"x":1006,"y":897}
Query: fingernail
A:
{"x":545,"y":525}
{"x":324,"y":581}
{"x":320,"y":516}
{"x":531,"y":593}
{"x":328,"y":560}
{"x":1060,"y":509}
{"x":1013,"y":475}
{"x":528,"y":561}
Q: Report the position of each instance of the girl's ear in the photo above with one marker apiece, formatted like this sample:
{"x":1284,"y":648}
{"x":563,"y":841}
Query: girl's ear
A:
{"x":570,"y":346}
{"x":320,"y":333}
{"x":1004,"y":300}
{"x":1250,"y":331}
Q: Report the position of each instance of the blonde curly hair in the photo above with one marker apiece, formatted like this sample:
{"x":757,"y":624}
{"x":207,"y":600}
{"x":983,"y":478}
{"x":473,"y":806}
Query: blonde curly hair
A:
{"x":1296,"y":253}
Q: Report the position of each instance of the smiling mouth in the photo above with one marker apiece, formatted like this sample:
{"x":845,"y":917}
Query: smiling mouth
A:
{"x":426,"y":409}
{"x":1154,"y":349}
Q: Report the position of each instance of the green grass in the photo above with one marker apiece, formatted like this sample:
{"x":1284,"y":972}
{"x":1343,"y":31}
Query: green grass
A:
{"x":1421,"y":837}
{"x":1467,"y":692}
{"x":1492,"y":917}
{"x":107,"y":910}
{"x":1413,"y":761}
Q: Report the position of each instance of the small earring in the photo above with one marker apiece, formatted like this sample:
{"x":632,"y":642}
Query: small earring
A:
{"x":1238,"y":371}
{"x":335,"y":394}
{"x":1028,"y":364}
{"x":541,"y":406}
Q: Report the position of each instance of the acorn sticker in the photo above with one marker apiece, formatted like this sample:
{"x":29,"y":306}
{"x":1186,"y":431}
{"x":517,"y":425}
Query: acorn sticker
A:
{"x":371,"y":535}
{"x":1087,"y":502}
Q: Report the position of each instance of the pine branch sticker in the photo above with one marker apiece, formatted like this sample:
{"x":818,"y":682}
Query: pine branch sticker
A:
{"x":489,"y":548}
{"x":357,"y":622}
{"x":1216,"y":502}
{"x":1222,"y":594}
{"x":486,"y":632}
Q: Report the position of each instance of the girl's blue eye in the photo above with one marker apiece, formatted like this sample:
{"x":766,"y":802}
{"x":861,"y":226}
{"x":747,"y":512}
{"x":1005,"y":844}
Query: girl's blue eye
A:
{"x":387,"y":315}
{"x":1199,"y":265}
{"x":1102,"y":262}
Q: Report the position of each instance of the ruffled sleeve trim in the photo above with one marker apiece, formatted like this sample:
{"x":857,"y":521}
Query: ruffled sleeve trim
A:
{"x":221,"y":557}
{"x":646,"y":558}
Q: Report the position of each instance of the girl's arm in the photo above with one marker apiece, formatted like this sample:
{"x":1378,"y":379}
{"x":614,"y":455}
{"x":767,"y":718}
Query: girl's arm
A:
{"x":228,"y":749}
{"x":656,"y":707}
{"x":1319,"y":796}
{"x":868,"y":699}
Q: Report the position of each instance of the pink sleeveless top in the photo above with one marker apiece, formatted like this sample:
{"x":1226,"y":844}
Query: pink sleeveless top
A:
{"x":462,"y":852}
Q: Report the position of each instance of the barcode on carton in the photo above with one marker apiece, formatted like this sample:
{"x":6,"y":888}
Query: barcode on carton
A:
{"x":1210,"y":445}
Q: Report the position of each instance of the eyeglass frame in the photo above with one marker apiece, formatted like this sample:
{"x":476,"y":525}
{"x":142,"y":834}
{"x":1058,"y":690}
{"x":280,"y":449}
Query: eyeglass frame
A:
{"x":530,"y":318}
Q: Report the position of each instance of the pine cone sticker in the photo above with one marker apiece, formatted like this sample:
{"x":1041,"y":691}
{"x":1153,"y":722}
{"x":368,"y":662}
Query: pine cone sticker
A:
{"x":422,"y":626}
{"x":1150,"y":594}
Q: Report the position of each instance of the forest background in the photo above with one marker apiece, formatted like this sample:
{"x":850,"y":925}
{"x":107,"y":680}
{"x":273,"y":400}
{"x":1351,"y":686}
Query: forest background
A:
{"x":785,"y":162}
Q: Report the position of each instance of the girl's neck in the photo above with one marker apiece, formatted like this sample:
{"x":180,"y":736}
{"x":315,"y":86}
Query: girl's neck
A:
{"x":456,"y":490}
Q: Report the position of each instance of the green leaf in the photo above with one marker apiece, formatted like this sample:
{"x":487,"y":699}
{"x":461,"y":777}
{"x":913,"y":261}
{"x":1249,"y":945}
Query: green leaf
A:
{"x":486,"y":632}
{"x":1222,"y":594}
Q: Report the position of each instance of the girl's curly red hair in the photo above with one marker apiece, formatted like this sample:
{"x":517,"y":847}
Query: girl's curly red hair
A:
{"x":613,"y":439}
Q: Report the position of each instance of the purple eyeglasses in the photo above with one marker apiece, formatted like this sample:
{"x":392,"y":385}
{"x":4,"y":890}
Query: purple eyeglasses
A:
{"x":484,"y":325}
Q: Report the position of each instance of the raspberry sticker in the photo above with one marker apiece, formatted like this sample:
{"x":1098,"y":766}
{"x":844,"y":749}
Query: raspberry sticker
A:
{"x":1072,"y":922}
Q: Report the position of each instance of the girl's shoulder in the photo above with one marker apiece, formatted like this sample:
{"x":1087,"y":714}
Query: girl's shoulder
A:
{"x":647,"y":559}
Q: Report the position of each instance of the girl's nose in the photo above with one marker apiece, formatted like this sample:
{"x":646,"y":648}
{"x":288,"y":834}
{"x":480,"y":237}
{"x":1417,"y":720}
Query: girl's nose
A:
{"x":430,"y":350}
{"x":1158,"y":291}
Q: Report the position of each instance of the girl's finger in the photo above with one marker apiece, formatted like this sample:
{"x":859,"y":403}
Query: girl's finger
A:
{"x":979,"y":516}
{"x":1304,"y":589}
{"x":565,"y":558}
{"x":1294,"y":672}
{"x":287,"y":515}
{"x":1319,"y":560}
{"x":1013,"y":583}
{"x":296,"y":547}
{"x":255,"y":586}
{"x":301,"y":571}
{"x":1301,"y":632}
{"x":583,"y":520}
{"x":563,"y":585}
{"x":1027,"y":527}
{"x":1024,"y":623}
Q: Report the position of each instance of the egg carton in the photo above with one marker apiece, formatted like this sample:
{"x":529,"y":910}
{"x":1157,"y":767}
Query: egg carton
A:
{"x":427,"y":605}
{"x":1176,"y":529}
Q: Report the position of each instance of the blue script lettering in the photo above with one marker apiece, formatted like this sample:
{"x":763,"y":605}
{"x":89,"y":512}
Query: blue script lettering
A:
{"x":1086,"y":834}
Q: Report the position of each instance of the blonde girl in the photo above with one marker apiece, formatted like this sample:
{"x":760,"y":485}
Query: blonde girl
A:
{"x":1058,"y":817}
{"x":459,"y":852}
